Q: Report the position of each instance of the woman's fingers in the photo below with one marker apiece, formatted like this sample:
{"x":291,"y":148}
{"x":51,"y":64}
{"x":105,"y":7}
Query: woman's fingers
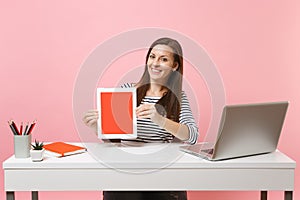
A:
{"x":90,"y":117}
{"x":144,"y":114}
{"x":90,"y":120}
{"x":145,"y":111}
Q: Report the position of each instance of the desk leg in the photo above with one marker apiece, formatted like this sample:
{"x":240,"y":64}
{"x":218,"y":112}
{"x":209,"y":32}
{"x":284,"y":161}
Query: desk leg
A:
{"x":34,"y":195}
{"x":10,"y":195}
{"x":263,"y":195}
{"x":288,"y":195}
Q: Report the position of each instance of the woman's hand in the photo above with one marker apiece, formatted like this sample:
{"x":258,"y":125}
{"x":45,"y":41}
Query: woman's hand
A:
{"x":90,"y":119}
{"x":149,"y":111}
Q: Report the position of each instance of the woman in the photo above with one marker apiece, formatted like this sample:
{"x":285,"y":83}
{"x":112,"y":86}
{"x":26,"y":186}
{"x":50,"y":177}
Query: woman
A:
{"x":163,"y":111}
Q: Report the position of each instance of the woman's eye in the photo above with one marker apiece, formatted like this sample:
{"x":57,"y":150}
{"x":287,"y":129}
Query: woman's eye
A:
{"x":152,"y":56}
{"x":165,"y":59}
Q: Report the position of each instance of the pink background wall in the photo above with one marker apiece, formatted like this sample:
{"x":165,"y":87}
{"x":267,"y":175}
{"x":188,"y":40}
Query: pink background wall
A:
{"x":255,"y":45}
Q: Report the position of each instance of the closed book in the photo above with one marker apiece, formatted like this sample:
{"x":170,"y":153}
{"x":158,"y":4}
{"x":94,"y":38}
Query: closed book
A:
{"x":61,"y":149}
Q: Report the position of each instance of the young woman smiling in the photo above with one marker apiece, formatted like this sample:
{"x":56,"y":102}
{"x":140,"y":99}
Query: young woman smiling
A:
{"x":163,"y":111}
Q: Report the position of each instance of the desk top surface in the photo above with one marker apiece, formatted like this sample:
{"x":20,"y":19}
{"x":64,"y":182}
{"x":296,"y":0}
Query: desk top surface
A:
{"x":148,"y":156}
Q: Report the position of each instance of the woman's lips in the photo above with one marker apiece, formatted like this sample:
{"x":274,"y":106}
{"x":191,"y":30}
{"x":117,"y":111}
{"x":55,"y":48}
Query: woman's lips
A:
{"x":155,"y":70}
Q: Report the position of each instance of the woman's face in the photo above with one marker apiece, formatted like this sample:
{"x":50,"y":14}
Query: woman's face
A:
{"x":161,"y":63}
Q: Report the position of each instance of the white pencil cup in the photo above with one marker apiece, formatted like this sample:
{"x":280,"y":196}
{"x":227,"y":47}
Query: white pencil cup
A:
{"x":22,"y":146}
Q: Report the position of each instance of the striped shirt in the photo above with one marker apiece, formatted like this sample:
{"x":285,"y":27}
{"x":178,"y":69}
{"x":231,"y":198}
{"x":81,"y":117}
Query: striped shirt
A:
{"x":149,"y":131}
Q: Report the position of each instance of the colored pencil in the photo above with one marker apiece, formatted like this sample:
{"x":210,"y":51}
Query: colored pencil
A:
{"x":21,"y":128}
{"x":12,"y":128}
{"x":15,"y":127}
{"x":31,"y":127}
{"x":26,"y":128}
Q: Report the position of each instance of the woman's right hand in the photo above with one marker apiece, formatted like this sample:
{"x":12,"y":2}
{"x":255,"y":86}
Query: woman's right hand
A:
{"x":90,"y":119}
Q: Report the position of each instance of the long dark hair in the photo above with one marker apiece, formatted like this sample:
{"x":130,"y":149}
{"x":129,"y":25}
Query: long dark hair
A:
{"x":169,"y":105}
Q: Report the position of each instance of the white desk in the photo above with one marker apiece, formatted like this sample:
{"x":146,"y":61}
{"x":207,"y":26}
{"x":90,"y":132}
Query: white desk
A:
{"x":274,"y":171}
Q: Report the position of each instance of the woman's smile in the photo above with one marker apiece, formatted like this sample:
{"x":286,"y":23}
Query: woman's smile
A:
{"x":155,"y":70}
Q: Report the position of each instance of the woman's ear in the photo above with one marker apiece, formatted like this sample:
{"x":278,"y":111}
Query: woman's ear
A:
{"x":176,"y":65}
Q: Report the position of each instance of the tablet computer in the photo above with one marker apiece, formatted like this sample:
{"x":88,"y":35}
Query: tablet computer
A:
{"x":117,"y":118}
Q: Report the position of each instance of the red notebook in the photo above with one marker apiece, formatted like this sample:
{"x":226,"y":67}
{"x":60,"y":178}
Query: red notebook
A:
{"x":61,"y":149}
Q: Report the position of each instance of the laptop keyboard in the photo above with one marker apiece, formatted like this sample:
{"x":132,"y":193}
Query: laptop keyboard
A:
{"x":208,"y":151}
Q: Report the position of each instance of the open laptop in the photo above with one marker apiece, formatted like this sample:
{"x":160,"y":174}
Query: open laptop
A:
{"x":244,"y":130}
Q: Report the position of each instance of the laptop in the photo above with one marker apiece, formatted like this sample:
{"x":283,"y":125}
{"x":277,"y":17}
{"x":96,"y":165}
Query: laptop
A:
{"x":244,"y":130}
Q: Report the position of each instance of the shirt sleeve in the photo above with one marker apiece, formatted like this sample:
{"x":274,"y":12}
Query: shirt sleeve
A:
{"x":127,"y":85}
{"x":186,"y":117}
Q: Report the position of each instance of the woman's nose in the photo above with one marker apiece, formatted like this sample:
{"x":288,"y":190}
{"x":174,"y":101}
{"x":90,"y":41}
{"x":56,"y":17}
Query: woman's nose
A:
{"x":155,"y":61}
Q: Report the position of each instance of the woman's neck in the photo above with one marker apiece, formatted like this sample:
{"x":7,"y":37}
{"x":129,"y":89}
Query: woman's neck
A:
{"x":156,"y":90}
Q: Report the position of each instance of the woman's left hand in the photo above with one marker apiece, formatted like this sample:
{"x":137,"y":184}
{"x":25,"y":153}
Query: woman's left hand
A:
{"x":149,"y":111}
